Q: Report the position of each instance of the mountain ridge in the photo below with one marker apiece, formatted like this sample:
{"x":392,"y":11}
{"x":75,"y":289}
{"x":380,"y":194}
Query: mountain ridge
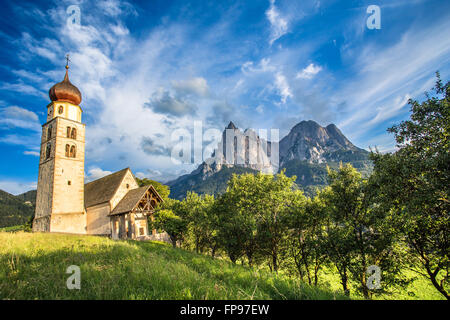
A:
{"x":305,"y":152}
{"x":16,"y":210}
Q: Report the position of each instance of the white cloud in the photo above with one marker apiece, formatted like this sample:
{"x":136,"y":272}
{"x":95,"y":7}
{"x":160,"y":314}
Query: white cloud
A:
{"x":15,"y":112}
{"x":95,"y":173}
{"x":390,"y":110}
{"x":386,"y":77}
{"x":197,"y":86}
{"x":115,"y":8}
{"x":31,"y":153}
{"x":282,"y":87}
{"x":117,"y":80}
{"x":120,"y":30}
{"x":21,"y":140}
{"x":310,"y":71}
{"x":23,"y":88}
{"x":263,"y":66}
{"x":16,"y":188}
{"x":278,"y":23}
{"x":17,"y":117}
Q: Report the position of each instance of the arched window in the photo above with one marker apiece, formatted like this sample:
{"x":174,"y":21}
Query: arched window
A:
{"x":68,"y":132}
{"x":60,"y":109}
{"x":73,"y":135}
{"x":48,"y":151}
{"x":73,"y":152}
{"x":67,"y":150}
{"x":49,"y":132}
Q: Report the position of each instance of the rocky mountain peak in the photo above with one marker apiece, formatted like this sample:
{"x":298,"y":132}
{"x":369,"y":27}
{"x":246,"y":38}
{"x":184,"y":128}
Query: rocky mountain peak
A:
{"x":231,"y":126}
{"x":309,"y":141}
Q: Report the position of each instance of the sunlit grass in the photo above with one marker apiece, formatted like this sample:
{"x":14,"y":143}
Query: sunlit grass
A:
{"x":33,"y":266}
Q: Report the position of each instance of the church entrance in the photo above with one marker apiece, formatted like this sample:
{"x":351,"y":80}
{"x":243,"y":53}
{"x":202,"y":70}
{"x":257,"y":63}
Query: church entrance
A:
{"x":130,"y":217}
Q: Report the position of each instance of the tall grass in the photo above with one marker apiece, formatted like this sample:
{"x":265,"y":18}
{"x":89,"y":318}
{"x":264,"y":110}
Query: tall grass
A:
{"x":33,"y":266}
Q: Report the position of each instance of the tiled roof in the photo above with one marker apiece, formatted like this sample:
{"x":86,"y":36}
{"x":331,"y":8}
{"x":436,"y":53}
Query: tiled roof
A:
{"x":130,"y":200}
{"x":103,"y":189}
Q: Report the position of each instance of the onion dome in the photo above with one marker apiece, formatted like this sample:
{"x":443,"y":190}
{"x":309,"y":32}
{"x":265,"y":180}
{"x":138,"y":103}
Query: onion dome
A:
{"x":65,"y":91}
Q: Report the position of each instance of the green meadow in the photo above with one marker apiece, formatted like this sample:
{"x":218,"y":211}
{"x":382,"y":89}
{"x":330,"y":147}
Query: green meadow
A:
{"x":33,"y":266}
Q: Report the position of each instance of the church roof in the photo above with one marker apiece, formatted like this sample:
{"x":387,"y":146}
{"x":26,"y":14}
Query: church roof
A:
{"x":130,"y":200}
{"x":65,"y":91}
{"x":103,"y":189}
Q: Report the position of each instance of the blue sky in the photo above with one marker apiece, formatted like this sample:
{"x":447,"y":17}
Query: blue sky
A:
{"x":149,"y":68}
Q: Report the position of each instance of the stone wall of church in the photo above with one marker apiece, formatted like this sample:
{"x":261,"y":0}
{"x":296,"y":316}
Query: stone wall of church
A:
{"x":44,"y":194}
{"x":68,"y":223}
{"x":98,"y":221}
{"x":69,"y":172}
{"x":127,"y":184}
{"x":60,"y":191}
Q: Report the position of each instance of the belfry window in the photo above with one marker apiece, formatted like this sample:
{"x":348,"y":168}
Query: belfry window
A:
{"x":68,"y":132}
{"x":73,"y":135}
{"x":73,"y":152}
{"x":60,"y":109}
{"x":67,"y":150}
{"x":49,"y":132}
{"x":48,"y":151}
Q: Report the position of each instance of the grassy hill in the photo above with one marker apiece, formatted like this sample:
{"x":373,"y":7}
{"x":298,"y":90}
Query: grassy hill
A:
{"x":16,"y":210}
{"x":33,"y":266}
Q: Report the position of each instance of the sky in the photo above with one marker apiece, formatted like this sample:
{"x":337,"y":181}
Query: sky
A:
{"x":148,"y":70}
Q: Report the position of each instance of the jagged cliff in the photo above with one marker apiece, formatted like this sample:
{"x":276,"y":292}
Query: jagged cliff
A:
{"x":304,"y":152}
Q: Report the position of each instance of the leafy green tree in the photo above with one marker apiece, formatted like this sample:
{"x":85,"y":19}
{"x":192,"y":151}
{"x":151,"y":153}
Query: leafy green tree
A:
{"x":162,"y":189}
{"x":276,"y":200}
{"x":258,"y":205}
{"x":202,"y":229}
{"x":237,"y":219}
{"x":359,"y":233}
{"x":306,"y":233}
{"x":414,"y":183}
{"x":168,"y":217}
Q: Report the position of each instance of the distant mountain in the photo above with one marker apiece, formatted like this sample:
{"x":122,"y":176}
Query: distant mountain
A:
{"x":16,"y":210}
{"x":242,"y":149}
{"x":204,"y":181}
{"x":305,"y":152}
{"x":310,"y":142}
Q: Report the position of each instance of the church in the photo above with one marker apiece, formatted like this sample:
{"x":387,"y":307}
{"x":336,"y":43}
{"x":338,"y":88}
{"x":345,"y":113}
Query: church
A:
{"x":113,"y":206}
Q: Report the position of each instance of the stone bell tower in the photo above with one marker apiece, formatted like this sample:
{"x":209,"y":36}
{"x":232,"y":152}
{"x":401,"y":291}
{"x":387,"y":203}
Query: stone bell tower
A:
{"x":60,"y":189}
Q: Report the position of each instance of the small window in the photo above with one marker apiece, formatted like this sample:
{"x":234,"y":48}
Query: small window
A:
{"x":48,"y":151}
{"x":73,"y":152}
{"x":60,"y":109}
{"x":67,"y":150}
{"x":73,"y":135}
{"x":49,"y":132}
{"x":68,"y":132}
{"x":69,"y":183}
{"x":141,"y":231}
{"x":128,"y":186}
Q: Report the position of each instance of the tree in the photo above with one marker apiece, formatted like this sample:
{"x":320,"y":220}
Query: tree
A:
{"x":168,"y":217}
{"x":359,"y":234}
{"x":277,"y":199}
{"x":306,"y":228}
{"x":202,"y":228}
{"x":414,"y":183}
{"x":162,"y":189}
{"x":237,"y":219}
{"x":256,"y":207}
